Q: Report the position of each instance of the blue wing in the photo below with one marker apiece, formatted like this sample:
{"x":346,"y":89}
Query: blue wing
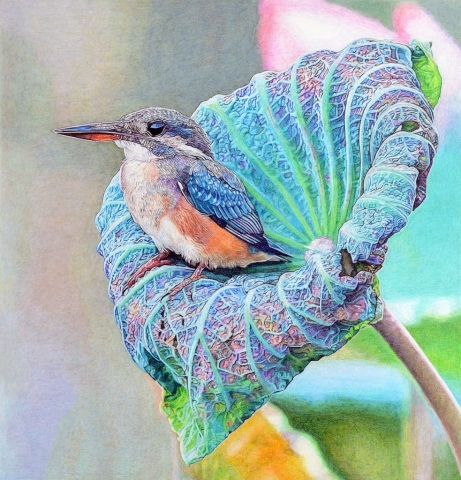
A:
{"x":217,"y":192}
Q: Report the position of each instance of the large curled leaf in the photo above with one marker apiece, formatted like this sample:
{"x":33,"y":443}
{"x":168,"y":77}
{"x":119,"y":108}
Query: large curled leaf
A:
{"x":322,"y":152}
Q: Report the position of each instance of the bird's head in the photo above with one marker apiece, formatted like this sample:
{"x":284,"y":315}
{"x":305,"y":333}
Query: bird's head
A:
{"x":148,"y":134}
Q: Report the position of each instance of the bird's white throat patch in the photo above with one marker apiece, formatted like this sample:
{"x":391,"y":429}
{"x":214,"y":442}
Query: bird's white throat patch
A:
{"x":134,"y":151}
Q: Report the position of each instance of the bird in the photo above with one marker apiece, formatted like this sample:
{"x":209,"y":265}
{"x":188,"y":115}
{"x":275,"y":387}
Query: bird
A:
{"x":186,"y":201}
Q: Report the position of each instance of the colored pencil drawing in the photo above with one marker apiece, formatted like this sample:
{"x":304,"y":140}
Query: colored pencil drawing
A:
{"x":310,"y":169}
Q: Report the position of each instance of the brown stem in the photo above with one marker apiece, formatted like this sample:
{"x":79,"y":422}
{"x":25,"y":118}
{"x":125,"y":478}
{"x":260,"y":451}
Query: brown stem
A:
{"x":434,"y":388}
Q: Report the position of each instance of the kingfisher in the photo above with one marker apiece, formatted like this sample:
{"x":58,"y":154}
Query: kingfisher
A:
{"x":186,"y":201}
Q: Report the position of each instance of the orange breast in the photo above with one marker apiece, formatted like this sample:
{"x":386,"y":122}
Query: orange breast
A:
{"x":219,"y":247}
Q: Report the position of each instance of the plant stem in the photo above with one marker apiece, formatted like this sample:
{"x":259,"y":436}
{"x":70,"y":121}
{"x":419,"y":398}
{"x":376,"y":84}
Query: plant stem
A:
{"x":434,"y":388}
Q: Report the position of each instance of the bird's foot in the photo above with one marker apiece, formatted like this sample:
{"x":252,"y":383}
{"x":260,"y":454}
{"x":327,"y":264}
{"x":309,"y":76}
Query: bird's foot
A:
{"x":187,"y":281}
{"x":156,"y":261}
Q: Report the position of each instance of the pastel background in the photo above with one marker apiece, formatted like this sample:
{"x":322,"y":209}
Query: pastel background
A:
{"x":72,"y":403}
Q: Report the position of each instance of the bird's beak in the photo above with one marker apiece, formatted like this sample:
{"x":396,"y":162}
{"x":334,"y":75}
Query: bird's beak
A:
{"x":97,"y":132}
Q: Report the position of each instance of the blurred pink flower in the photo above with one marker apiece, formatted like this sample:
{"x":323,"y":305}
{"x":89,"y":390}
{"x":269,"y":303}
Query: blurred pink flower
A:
{"x":290,"y":28}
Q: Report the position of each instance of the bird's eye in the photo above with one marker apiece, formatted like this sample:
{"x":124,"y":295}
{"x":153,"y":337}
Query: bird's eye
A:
{"x":155,"y":128}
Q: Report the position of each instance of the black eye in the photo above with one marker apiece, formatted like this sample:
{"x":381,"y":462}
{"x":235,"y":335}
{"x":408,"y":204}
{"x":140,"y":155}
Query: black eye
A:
{"x":155,"y":128}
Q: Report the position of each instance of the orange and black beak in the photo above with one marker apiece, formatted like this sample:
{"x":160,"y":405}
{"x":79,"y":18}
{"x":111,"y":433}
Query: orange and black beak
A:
{"x":99,"y":132}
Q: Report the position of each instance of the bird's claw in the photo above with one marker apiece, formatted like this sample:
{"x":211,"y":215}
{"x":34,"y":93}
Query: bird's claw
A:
{"x":187,"y":281}
{"x":157,"y":261}
{"x":197,"y":275}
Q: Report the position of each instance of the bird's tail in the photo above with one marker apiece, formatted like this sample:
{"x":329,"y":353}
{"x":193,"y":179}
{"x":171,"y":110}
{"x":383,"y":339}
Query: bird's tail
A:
{"x":273,"y":250}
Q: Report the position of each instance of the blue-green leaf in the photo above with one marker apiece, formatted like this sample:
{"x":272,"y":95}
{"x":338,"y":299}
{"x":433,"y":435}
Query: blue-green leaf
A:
{"x":327,"y":156}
